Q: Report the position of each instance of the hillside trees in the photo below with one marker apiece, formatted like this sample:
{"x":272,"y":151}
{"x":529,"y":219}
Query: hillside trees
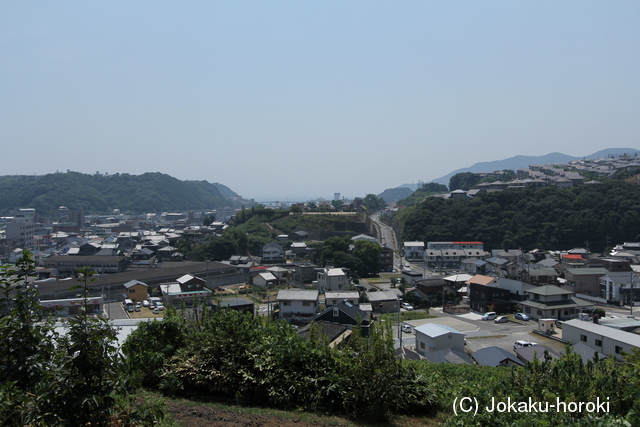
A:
{"x":363,"y":259}
{"x":550,"y":217}
{"x":423,"y":192}
{"x":374,"y":203}
{"x":149,"y":192}
{"x":464,"y":181}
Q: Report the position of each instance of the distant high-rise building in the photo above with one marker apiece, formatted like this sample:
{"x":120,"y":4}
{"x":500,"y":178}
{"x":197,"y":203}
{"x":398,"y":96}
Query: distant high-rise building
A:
{"x":21,"y":230}
{"x":336,"y":196}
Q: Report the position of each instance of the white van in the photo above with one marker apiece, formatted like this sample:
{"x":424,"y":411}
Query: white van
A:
{"x":523,"y":344}
{"x":128,"y":305}
{"x":490,"y":315}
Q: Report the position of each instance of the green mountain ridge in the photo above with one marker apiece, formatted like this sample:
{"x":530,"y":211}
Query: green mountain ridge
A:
{"x":149,"y":192}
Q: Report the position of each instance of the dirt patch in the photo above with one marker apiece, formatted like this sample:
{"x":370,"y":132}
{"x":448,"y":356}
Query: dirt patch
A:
{"x":206,"y":416}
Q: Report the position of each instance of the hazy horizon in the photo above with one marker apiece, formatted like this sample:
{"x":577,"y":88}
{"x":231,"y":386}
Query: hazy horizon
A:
{"x":282,"y":99}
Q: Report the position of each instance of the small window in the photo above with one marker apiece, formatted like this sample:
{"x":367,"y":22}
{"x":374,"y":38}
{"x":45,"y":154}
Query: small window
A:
{"x":132,"y":291}
{"x":583,"y":338}
{"x":306,"y":303}
{"x":618,"y":349}
{"x":599,"y":343}
{"x":336,"y":312}
{"x":422,"y":345}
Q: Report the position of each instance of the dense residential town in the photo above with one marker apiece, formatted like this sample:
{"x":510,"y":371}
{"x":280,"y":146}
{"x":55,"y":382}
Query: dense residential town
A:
{"x":443,"y":302}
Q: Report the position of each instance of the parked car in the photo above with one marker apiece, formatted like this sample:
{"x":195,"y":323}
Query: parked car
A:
{"x":138,"y":306}
{"x":501,"y":319}
{"x":406,"y":328}
{"x":159,"y":306}
{"x":407,"y":306}
{"x":523,"y":344}
{"x":522,"y":316}
{"x":156,"y":311}
{"x":145,"y":303}
{"x":490,"y":315}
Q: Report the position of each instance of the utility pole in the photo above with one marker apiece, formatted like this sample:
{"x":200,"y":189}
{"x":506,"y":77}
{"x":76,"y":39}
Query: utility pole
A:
{"x":399,"y":329}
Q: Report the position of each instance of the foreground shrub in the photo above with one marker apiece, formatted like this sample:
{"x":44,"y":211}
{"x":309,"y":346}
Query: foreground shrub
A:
{"x":226,"y":354}
{"x":50,"y":379}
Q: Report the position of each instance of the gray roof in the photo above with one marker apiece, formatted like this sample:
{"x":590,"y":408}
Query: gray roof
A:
{"x":585,"y":352}
{"x":131,"y":283}
{"x":493,"y":356}
{"x":297,"y":295}
{"x":341,"y":295}
{"x":331,"y":330}
{"x":600,"y":271}
{"x":449,"y":356}
{"x":405,"y":353}
{"x":435,"y":330}
{"x":548,"y":262}
{"x":527,"y":354}
{"x":381,"y":296}
{"x":573,"y":302}
{"x":543,"y":272}
{"x":352,"y":311}
{"x":615,"y":334}
{"x":549,"y":290}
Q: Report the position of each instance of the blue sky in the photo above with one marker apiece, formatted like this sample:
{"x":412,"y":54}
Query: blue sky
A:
{"x":290,"y":100}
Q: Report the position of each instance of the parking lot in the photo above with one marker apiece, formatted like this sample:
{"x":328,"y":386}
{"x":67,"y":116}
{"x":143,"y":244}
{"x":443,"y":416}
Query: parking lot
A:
{"x":481,"y":334}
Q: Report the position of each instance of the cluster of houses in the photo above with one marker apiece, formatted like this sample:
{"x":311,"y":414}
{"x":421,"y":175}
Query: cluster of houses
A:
{"x":562,"y":175}
{"x":504,"y":278}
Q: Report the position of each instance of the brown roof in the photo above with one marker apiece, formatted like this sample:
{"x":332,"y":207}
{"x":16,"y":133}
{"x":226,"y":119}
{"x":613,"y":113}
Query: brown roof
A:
{"x":481,"y":280}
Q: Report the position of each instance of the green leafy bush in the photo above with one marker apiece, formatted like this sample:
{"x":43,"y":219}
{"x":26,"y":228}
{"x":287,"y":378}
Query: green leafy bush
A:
{"x":50,"y":379}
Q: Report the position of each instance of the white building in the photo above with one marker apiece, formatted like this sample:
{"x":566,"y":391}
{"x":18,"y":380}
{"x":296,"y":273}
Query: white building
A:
{"x":272,"y":251}
{"x":414,"y":250}
{"x":619,"y":286}
{"x":297,"y":303}
{"x":333,"y":298}
{"x":384,"y":302}
{"x":332,"y":279}
{"x":608,"y":341}
{"x":21,"y":229}
{"x":265,"y":278}
{"x":433,"y":337}
{"x":455,"y":245}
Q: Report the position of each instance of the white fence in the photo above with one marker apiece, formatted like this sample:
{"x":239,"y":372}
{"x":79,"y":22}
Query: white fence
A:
{"x":592,"y":298}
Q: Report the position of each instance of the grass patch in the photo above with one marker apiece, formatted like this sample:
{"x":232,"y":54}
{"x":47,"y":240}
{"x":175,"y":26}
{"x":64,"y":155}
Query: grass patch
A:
{"x":377,"y":280}
{"x":488,"y":336}
{"x":406,"y":315}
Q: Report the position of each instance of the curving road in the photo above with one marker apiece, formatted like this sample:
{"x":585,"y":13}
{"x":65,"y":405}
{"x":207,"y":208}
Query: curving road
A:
{"x":386,"y":236}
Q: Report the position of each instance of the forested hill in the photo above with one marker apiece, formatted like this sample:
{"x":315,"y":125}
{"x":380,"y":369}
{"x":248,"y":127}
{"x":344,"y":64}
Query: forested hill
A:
{"x":150,"y":192}
{"x":549,"y":218}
